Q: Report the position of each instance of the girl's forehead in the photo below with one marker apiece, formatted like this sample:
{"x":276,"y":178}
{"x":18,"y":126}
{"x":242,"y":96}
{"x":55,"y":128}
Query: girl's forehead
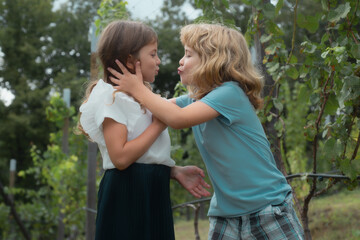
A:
{"x":152,"y":45}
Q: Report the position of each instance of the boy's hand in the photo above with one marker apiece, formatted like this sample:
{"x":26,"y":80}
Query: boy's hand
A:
{"x":127,"y":82}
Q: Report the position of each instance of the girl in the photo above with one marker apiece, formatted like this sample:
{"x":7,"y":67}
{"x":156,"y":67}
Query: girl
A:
{"x":252,"y":199}
{"x":133,"y":198}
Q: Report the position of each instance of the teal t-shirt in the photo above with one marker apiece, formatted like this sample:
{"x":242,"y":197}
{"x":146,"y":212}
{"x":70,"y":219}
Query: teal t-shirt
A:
{"x":237,"y":155}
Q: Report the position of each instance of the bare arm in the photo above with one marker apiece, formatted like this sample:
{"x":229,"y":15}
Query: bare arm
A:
{"x":169,"y":113}
{"x":122,"y":152}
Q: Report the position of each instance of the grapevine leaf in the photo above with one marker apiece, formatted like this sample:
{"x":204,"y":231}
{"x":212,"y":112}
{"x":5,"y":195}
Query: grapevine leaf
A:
{"x":340,"y":12}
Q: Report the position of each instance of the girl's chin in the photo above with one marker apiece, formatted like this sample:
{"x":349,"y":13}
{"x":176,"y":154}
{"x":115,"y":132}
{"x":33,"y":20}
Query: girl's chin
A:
{"x":150,"y":80}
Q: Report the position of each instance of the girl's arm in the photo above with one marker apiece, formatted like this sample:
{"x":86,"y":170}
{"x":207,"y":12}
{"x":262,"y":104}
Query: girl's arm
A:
{"x":122,"y":152}
{"x":169,"y":113}
{"x":192,"y":179}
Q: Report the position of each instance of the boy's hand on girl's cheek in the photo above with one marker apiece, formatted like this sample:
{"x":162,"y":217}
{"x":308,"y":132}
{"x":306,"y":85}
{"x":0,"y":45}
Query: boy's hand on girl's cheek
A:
{"x":126,"y":81}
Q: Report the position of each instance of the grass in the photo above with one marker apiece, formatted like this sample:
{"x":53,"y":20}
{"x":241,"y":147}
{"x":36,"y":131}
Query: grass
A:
{"x":336,"y":217}
{"x":330,"y":218}
{"x":184,"y":230}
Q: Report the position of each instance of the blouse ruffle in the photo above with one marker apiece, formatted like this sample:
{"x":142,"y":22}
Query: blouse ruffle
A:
{"x":102,"y":104}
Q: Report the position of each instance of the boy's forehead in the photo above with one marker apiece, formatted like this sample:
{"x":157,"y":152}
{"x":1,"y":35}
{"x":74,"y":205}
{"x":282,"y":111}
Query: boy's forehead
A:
{"x":187,"y":48}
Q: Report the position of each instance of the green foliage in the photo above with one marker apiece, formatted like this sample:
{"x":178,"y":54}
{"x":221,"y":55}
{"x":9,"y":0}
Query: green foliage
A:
{"x":315,"y":74}
{"x":109,"y":11}
{"x":310,"y":23}
{"x":326,"y":76}
{"x":60,"y":184}
{"x":22,"y":23}
{"x":334,"y":15}
{"x":58,"y":110}
{"x":215,"y":9}
{"x":45,"y":51}
{"x":180,"y":89}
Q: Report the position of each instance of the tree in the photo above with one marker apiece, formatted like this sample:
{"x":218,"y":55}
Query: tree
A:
{"x":70,"y":47}
{"x":44,"y":51}
{"x":59,"y":183}
{"x":24,"y":122}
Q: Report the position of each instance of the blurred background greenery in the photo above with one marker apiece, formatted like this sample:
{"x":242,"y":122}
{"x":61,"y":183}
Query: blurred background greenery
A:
{"x":308,"y":52}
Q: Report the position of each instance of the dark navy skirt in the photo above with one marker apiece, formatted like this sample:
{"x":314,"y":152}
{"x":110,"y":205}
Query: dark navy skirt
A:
{"x":134,"y":204}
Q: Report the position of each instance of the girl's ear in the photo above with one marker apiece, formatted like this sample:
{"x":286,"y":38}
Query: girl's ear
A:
{"x":130,"y":62}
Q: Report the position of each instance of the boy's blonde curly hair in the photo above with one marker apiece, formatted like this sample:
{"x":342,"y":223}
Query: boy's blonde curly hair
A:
{"x":224,"y":57}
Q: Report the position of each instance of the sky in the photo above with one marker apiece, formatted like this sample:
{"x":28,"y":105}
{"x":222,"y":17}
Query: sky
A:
{"x":5,"y":95}
{"x":142,"y":9}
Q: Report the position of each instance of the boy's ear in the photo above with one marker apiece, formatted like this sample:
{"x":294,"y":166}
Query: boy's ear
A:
{"x":130,"y":63}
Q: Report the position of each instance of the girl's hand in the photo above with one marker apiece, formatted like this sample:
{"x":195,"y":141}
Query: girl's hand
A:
{"x":191,"y":178}
{"x":127,"y":82}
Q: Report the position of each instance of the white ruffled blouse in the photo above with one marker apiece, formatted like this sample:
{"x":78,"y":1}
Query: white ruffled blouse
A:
{"x":125,"y":110}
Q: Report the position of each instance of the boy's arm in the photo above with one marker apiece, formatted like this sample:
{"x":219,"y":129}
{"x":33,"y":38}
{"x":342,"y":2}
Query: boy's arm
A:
{"x":122,"y":152}
{"x":169,"y":113}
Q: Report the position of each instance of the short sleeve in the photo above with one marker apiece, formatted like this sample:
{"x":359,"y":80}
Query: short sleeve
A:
{"x":103,"y":103}
{"x":229,"y":100}
{"x":183,"y":100}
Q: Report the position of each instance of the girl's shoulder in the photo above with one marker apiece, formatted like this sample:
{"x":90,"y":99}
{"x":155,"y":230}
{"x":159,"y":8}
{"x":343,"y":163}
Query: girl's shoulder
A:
{"x":104,"y":99}
{"x":105,"y":102}
{"x":103,"y":89}
{"x":103,"y":94}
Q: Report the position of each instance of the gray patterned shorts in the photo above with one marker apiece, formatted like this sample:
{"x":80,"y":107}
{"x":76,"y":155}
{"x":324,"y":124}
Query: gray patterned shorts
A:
{"x":273,"y":222}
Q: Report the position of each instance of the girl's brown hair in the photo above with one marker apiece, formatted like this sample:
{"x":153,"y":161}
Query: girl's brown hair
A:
{"x":119,"y":40}
{"x":224,"y":57}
